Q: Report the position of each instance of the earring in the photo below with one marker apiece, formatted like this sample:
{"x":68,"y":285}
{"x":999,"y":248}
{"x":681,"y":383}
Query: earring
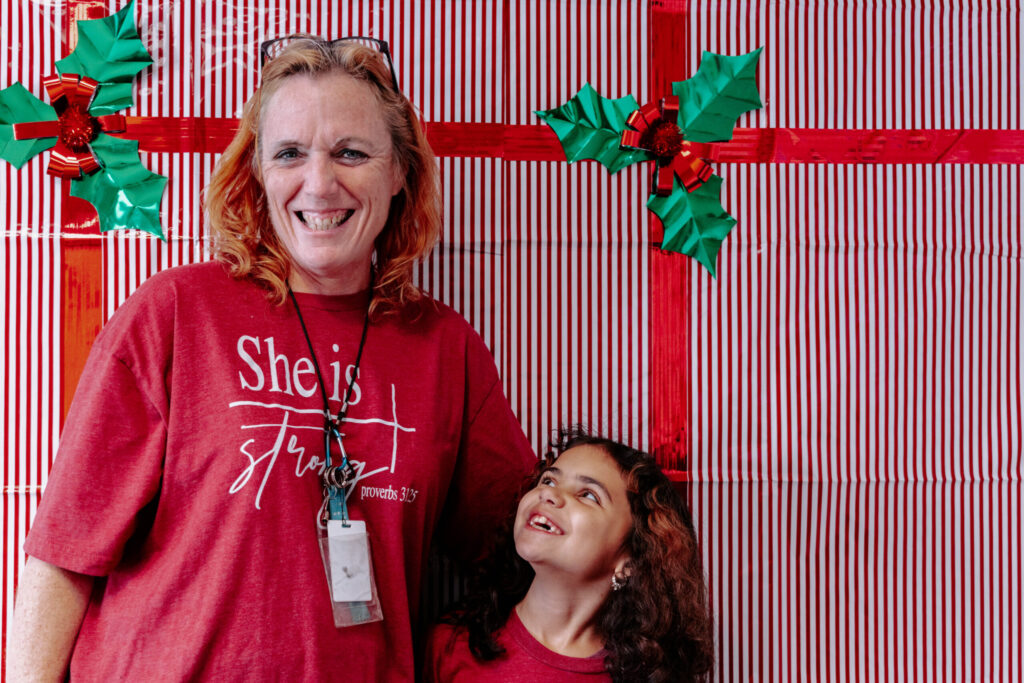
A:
{"x":617,"y":583}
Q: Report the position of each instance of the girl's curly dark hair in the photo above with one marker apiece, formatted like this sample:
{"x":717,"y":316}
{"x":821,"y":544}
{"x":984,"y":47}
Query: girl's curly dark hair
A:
{"x":656,"y":628}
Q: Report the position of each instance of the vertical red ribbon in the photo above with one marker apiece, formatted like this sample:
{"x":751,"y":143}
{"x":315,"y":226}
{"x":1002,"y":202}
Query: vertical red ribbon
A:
{"x":669,"y":275}
{"x":81,"y":251}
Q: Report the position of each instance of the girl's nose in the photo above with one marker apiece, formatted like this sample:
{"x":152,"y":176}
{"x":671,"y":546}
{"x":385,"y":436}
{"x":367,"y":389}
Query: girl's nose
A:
{"x":553,"y":495}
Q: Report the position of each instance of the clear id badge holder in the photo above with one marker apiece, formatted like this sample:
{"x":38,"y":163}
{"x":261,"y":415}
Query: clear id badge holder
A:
{"x":345,"y":549}
{"x":346,"y":554}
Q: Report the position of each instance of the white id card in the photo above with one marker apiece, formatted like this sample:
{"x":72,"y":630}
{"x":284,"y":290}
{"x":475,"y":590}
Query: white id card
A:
{"x":350,"y":561}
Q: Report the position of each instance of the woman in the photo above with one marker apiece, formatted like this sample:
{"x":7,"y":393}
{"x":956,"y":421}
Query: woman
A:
{"x":189,"y":476}
{"x":599,"y":579}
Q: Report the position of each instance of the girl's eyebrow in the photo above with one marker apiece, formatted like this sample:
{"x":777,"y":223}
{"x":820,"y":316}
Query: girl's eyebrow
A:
{"x":589,"y":481}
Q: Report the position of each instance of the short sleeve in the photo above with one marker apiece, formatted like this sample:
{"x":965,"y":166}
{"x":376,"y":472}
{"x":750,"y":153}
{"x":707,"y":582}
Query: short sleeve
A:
{"x":107,"y":470}
{"x":494,"y":459}
{"x":439,"y":649}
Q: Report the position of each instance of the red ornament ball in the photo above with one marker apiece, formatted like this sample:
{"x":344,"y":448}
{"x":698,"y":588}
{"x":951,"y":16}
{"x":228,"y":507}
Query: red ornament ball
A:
{"x":663,"y":138}
{"x":77,"y":128}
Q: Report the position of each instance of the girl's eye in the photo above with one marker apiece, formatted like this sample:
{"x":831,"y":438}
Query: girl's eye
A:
{"x":547,"y":481}
{"x":591,"y":495}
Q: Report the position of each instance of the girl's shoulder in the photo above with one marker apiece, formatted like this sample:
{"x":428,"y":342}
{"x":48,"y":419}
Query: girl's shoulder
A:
{"x":449,"y":659}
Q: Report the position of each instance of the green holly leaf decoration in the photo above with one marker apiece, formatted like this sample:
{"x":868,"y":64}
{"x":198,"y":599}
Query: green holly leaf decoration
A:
{"x":695,"y":223}
{"x":590,"y":126}
{"x":18,"y":105}
{"x":722,"y":89}
{"x":109,"y":50}
{"x":125,"y":193}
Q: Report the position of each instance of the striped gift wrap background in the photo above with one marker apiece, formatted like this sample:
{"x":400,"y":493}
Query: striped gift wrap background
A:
{"x":852,"y":407}
{"x":864,"y":581}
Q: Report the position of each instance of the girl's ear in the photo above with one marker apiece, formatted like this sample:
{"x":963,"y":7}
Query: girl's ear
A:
{"x":620,"y":577}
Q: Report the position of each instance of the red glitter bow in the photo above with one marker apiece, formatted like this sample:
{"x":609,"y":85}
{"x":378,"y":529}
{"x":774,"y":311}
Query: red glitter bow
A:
{"x":74,"y":128}
{"x":657,"y":132}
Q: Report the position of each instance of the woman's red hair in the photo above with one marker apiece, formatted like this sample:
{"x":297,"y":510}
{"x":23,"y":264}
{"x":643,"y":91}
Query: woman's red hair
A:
{"x":236,"y":204}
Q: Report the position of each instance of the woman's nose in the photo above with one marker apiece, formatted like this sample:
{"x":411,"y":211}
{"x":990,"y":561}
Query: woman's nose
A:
{"x":321,"y":178}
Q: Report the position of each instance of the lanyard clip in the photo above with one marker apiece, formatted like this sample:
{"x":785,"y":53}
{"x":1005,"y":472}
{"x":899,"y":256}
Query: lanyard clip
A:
{"x":339,"y":476}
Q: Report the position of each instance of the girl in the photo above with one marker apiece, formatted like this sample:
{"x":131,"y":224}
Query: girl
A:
{"x":599,"y":579}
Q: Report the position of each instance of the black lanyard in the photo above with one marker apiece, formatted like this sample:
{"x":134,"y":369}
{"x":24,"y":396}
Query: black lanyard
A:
{"x":335,"y":478}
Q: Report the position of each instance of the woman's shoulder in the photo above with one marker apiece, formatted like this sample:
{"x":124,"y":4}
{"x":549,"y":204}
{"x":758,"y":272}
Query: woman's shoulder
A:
{"x":433,"y":311}
{"x":432,"y":317}
{"x":191,"y":284}
{"x":193,"y":291}
{"x":195,"y":277}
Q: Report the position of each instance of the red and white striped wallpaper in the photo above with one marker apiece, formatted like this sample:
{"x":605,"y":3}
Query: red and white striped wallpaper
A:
{"x":864,"y":581}
{"x":854,"y":406}
{"x":857,"y":422}
{"x":866,"y":321}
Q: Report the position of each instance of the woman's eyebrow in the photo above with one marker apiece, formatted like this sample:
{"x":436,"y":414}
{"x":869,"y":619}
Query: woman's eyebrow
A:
{"x":367,"y":144}
{"x":279,"y":144}
{"x":349,"y":139}
{"x":340,"y":142}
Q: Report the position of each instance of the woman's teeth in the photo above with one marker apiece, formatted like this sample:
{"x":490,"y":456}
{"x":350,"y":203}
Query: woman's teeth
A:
{"x":324,"y":221}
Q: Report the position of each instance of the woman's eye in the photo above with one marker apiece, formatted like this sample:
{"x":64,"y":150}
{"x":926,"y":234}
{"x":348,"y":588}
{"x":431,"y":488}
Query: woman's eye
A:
{"x":547,"y":481}
{"x":286,"y":154}
{"x":351,"y":155}
{"x":591,"y":495}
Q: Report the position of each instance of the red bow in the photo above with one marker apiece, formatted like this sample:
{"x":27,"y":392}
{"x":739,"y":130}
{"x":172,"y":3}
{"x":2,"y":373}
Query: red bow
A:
{"x":658,"y":133}
{"x":74,"y":128}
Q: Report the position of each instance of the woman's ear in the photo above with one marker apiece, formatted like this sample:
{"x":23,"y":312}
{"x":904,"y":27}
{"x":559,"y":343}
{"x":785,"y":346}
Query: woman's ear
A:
{"x":397,"y":177}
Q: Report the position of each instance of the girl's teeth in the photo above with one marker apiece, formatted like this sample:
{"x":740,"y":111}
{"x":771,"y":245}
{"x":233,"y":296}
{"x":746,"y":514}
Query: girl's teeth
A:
{"x":544,"y":524}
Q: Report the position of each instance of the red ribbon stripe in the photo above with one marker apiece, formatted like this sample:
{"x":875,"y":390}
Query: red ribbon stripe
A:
{"x":748,"y":146}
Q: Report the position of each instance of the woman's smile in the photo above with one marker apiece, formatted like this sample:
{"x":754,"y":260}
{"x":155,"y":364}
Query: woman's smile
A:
{"x":329,"y":173}
{"x":324,"y":220}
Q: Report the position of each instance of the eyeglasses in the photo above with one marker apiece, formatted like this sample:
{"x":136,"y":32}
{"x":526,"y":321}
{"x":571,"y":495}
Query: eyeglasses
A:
{"x":269,"y":49}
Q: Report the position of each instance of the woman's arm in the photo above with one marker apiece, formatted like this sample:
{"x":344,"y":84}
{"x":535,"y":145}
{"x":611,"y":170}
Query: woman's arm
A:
{"x":48,"y":612}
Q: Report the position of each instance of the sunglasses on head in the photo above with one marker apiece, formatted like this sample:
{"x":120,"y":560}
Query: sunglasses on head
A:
{"x":269,"y":49}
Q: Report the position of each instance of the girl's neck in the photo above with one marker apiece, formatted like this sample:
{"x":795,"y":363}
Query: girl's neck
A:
{"x":563,"y":618}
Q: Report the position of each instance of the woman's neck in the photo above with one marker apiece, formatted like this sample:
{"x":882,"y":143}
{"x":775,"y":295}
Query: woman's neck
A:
{"x":563,"y":618}
{"x":350,"y":281}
